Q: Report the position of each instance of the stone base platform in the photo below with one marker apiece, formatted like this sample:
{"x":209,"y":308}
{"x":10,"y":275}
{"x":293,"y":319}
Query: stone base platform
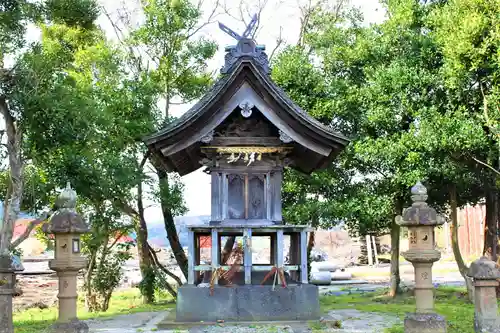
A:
{"x":75,"y":326}
{"x":424,"y":323}
{"x":248,"y":303}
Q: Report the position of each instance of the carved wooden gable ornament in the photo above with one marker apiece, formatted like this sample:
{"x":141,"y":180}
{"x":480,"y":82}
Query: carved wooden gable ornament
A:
{"x":245,"y":117}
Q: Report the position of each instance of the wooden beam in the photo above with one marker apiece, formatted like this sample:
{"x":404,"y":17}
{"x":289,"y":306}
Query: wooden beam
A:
{"x":246,"y":196}
{"x":294,"y":253}
{"x":191,"y":257}
{"x":279,"y":250}
{"x":369,"y":249}
{"x":303,"y":258}
{"x":224,"y":192}
{"x":215,"y":253}
{"x":272,"y":254}
{"x":197,"y":255}
{"x":247,"y":260}
{"x":258,"y":268}
{"x":276,"y":180}
{"x":244,"y":141}
{"x":216,"y":202}
{"x":267,"y":195}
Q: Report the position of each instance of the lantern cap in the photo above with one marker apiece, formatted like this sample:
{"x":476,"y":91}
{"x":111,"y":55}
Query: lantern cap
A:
{"x":66,"y":220}
{"x":419,"y":214}
{"x":484,"y":269}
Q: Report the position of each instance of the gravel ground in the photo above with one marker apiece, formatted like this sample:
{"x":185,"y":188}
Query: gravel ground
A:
{"x":353,"y":321}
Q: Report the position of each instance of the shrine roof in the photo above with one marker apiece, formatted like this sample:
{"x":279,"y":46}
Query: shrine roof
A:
{"x":244,"y":63}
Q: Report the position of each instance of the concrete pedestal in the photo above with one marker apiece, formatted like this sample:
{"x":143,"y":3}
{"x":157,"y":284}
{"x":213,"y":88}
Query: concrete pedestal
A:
{"x":67,"y":322}
{"x":247,"y":303}
{"x":486,"y":309}
{"x":485,"y":274}
{"x":424,"y":289}
{"x":74,"y":326}
{"x":6,"y":292}
{"x":424,"y":323}
{"x":67,"y":296}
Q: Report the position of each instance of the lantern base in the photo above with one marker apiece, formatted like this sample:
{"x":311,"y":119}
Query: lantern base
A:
{"x":424,"y":323}
{"x":74,"y":326}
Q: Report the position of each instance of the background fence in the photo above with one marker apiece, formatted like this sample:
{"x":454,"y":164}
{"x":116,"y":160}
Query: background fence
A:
{"x":471,"y":221}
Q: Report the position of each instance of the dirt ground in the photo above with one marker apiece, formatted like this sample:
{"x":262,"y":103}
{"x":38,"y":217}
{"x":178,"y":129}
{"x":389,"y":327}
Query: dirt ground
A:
{"x":37,"y":291}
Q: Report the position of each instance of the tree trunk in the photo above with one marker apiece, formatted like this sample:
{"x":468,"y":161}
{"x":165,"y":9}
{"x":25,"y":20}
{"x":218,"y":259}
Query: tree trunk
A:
{"x":395,"y":234}
{"x":310,"y":245}
{"x":462,"y":267}
{"x":490,"y":228}
{"x":87,"y":285}
{"x":145,"y":260}
{"x":170,"y":228}
{"x":311,"y":242}
{"x":12,"y":203}
{"x":228,"y":248}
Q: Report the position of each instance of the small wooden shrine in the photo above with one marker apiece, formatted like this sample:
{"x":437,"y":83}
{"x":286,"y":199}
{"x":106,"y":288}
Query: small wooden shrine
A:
{"x":245,"y":131}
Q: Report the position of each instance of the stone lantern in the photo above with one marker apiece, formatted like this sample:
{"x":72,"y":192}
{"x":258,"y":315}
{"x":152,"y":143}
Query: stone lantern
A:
{"x":9,"y":265}
{"x":485,"y":274}
{"x":420,"y":219}
{"x":67,"y":226}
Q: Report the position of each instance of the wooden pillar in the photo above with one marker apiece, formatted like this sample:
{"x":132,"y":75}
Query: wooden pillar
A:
{"x":197,"y":255}
{"x":224,"y":200}
{"x":216,"y":196}
{"x":247,"y":260}
{"x":219,"y":253}
{"x":279,"y":250}
{"x":303,"y":258}
{"x":215,"y":253}
{"x":375,"y":254}
{"x":369,"y":250}
{"x":191,"y":256}
{"x":272,"y":254}
{"x":276,"y":179}
{"x":294,"y":254}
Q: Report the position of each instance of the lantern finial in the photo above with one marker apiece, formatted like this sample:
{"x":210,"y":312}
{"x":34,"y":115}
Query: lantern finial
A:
{"x":419,"y":193}
{"x":66,"y":199}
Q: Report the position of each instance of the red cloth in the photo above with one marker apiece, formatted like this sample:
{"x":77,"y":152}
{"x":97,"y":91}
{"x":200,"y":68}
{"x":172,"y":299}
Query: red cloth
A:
{"x":205,"y":242}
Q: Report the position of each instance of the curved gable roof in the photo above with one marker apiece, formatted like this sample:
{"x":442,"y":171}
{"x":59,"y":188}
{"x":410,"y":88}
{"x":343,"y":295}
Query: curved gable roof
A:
{"x":241,"y":68}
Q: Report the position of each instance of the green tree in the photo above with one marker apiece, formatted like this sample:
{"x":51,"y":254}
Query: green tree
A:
{"x":467,"y":33}
{"x":383,"y":86}
{"x":166,"y":49}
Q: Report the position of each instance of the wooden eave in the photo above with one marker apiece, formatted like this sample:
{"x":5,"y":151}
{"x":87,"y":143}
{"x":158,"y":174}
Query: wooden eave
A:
{"x":208,"y":113}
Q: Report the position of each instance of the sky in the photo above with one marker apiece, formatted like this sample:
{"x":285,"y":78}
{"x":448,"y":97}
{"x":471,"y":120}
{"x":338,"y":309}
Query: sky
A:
{"x":278,"y":16}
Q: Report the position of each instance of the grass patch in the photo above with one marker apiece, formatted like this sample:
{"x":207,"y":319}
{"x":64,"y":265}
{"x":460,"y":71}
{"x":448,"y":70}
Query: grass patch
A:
{"x":451,"y":302}
{"x":123,"y":302}
{"x":387,"y":273}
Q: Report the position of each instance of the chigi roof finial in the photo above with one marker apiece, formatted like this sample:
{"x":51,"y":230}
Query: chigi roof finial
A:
{"x":246,"y":46}
{"x":248,"y":31}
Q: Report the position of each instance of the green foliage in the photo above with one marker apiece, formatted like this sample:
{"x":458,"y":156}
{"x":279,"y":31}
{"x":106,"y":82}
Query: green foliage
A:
{"x":14,"y":15}
{"x":392,"y":88}
{"x":107,"y":276}
{"x":73,"y":13}
{"x":173,"y":195}
{"x":39,"y":193}
{"x":148,"y":282}
{"x":180,"y":59}
{"x":468,"y":32}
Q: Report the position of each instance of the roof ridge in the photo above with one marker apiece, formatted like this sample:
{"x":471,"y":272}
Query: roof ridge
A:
{"x":246,"y":48}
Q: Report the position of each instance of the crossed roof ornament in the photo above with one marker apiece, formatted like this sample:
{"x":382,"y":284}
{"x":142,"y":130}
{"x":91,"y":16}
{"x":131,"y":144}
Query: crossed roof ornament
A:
{"x":246,"y":34}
